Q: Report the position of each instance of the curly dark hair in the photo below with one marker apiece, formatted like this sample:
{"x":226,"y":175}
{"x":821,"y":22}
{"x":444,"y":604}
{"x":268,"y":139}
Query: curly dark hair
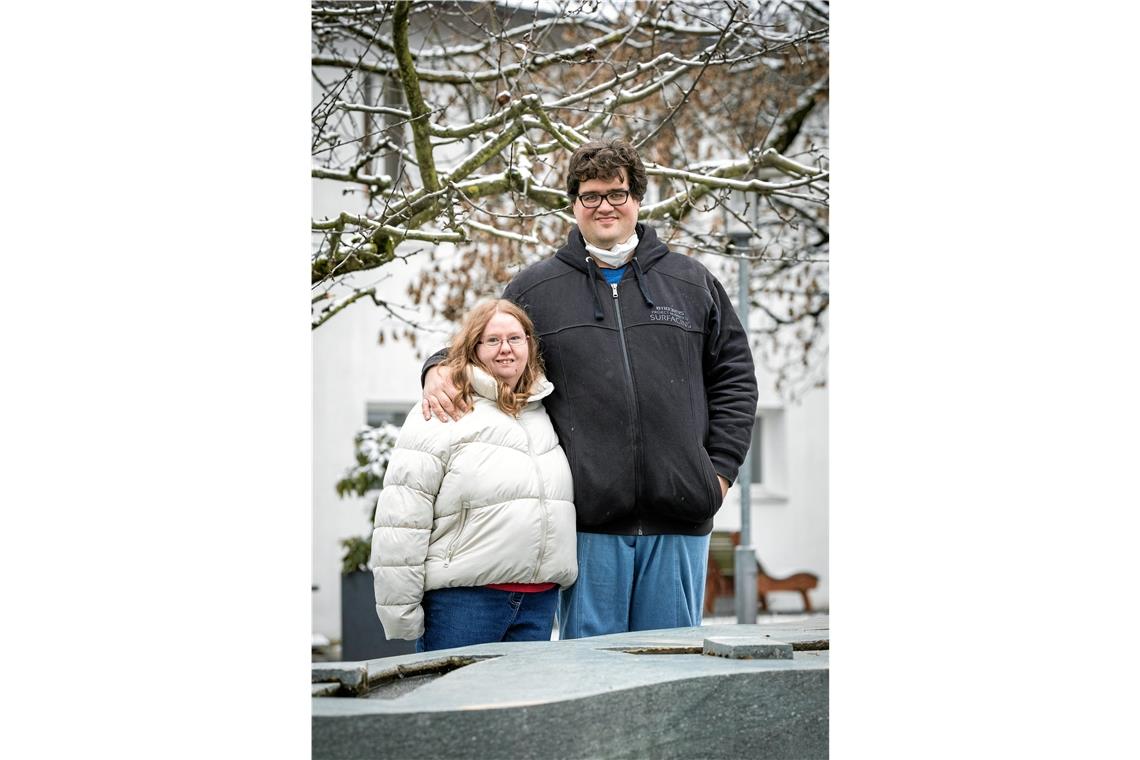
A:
{"x":605,"y":159}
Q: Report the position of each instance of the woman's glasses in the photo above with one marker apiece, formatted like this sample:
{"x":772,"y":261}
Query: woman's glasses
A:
{"x":495,"y":341}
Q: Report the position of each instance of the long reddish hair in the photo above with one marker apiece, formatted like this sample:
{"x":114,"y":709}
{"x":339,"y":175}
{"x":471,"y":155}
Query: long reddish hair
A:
{"x":461,"y":355}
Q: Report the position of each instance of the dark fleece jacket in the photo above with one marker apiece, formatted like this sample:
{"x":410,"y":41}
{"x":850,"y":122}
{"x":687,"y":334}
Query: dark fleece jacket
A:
{"x":654,"y":385}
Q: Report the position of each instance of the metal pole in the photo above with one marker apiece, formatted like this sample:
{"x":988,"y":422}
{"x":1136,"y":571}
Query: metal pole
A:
{"x":744,"y":557}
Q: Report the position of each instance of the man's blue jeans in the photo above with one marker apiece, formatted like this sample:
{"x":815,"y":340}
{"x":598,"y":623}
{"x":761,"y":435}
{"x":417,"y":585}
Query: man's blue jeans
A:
{"x":634,"y":583}
{"x":457,"y":617}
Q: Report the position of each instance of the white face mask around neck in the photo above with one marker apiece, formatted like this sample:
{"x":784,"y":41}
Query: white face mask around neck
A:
{"x":615,"y":256}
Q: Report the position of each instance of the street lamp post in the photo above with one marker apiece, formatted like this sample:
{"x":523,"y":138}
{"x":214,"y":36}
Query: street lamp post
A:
{"x":744,"y":557}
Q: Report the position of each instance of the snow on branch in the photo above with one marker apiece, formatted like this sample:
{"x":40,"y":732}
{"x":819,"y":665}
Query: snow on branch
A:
{"x":448,"y":126}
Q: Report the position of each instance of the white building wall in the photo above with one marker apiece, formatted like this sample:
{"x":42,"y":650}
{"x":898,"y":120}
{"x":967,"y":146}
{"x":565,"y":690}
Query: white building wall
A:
{"x":789,"y":524}
{"x":350,"y":369}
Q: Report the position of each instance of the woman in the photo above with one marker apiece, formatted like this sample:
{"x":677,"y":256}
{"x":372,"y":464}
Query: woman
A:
{"x":475,"y":526}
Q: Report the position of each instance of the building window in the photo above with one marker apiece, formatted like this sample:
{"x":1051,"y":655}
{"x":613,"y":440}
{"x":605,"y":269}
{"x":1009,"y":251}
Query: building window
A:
{"x":394,"y":412}
{"x":769,"y":470}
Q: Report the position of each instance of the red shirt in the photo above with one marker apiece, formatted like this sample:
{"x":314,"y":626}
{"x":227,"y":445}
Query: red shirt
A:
{"x":525,"y":588}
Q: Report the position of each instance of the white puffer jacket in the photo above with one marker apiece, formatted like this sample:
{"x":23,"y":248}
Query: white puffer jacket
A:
{"x":484,"y":499}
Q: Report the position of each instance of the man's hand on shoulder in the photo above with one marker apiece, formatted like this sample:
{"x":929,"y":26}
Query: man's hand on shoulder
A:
{"x":440,"y":396}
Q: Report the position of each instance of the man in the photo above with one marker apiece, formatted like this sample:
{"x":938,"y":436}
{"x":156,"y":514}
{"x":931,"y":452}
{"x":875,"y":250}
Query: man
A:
{"x":654,"y":400}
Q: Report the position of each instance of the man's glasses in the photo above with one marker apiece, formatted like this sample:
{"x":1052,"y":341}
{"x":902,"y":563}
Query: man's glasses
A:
{"x":495,"y":342}
{"x":593,"y":200}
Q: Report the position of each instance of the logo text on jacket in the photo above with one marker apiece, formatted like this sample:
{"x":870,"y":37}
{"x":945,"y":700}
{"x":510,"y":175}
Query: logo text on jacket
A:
{"x":669,"y":314}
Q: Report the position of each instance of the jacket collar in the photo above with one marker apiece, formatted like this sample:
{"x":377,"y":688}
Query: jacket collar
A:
{"x":649,"y":249}
{"x":488,"y":387}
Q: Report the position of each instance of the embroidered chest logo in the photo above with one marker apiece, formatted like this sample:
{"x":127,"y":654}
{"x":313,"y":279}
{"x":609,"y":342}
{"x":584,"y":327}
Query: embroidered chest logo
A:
{"x":669,"y":314}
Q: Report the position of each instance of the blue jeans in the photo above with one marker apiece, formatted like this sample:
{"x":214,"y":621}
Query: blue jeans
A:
{"x":634,"y":583}
{"x":457,"y":617}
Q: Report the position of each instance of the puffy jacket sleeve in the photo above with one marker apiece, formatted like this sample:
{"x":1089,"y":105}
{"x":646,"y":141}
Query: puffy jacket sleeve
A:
{"x":404,"y":516}
{"x":730,"y":386}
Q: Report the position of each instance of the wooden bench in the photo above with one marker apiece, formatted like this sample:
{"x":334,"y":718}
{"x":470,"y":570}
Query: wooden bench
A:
{"x":721,"y":569}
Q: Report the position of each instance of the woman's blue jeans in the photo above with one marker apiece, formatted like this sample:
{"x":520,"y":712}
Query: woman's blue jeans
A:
{"x":458,"y":617}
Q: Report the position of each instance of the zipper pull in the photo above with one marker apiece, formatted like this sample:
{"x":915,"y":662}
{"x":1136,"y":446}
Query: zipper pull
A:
{"x":614,"y":286}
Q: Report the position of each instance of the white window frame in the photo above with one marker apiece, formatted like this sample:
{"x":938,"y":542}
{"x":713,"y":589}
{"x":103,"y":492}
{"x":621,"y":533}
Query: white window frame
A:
{"x":395,"y":412}
{"x":773,"y":457}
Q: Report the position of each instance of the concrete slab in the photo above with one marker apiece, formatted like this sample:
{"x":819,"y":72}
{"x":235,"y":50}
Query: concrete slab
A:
{"x":643,"y":694}
{"x":747,"y":648}
{"x":325,"y":689}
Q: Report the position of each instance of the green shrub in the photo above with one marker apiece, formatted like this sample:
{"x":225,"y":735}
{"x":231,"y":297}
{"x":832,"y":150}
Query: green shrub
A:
{"x":365,"y":479}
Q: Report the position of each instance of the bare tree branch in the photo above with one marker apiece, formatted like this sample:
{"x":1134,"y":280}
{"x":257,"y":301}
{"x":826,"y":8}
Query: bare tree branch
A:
{"x":449,"y":124}
{"x":410,"y":78}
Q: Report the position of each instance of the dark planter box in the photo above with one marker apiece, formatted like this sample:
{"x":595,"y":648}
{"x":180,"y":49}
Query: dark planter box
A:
{"x":362,"y":636}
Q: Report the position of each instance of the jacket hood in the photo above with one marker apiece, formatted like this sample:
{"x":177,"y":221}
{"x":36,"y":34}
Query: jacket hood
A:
{"x":488,"y":387}
{"x":649,"y":249}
